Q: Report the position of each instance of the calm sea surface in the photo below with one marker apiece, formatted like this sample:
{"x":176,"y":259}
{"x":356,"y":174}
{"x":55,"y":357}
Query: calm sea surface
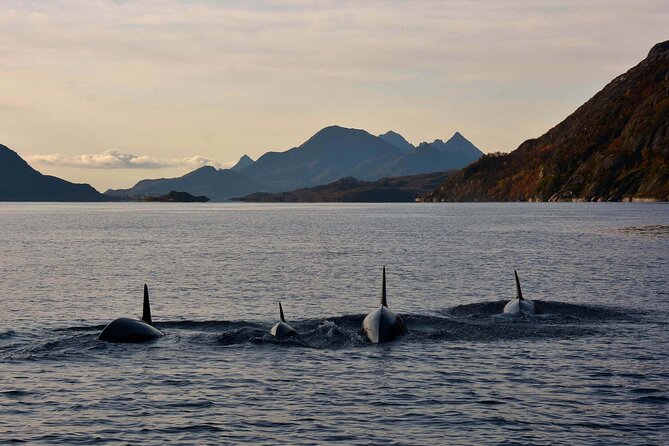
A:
{"x":591,"y":369}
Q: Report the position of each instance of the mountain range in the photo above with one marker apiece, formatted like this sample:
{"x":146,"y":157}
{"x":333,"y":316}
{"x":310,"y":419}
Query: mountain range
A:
{"x":20,"y":182}
{"x":216,"y":184}
{"x":332,"y":153}
{"x":614,"y":147}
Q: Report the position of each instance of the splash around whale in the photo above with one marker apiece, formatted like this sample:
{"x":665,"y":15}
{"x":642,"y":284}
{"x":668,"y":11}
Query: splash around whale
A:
{"x":382,"y":325}
{"x":128,"y":330}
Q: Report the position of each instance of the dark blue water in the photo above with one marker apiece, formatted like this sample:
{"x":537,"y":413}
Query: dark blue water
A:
{"x":592,"y":368}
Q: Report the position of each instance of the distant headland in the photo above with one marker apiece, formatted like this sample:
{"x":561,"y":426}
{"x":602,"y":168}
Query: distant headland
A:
{"x":175,"y":197}
{"x":615,"y":147}
{"x":351,"y":190}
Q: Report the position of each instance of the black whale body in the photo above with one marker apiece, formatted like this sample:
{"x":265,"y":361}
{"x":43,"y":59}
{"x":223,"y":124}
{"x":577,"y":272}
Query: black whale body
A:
{"x":281,"y":329}
{"x":132,"y":330}
{"x":382,"y":325}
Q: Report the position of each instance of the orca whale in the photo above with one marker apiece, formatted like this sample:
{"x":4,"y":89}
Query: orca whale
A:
{"x":382,"y":325}
{"x":131,"y":330}
{"x":281,"y":329}
{"x":519,"y":304}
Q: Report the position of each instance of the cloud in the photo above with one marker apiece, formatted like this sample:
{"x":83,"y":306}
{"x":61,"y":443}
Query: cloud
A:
{"x":114,"y":159}
{"x":266,"y":74}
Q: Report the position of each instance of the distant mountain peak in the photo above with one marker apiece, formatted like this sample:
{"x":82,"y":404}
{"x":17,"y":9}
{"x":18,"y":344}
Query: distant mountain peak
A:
{"x":333,"y":129}
{"x":458,"y":138}
{"x":392,"y":134}
{"x":456,"y":145}
{"x":398,"y":141}
{"x":659,"y":49}
{"x":244,"y":162}
{"x":339,"y":138}
{"x":336,"y":131}
{"x":204,"y":169}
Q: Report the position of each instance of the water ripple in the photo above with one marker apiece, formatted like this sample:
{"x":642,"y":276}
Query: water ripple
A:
{"x":590,"y":368}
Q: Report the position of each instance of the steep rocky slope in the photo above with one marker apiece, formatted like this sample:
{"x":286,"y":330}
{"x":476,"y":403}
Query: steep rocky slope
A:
{"x":614,"y":147}
{"x":20,"y":182}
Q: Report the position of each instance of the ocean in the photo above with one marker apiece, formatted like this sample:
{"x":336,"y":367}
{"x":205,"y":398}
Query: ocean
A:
{"x":591,"y":368}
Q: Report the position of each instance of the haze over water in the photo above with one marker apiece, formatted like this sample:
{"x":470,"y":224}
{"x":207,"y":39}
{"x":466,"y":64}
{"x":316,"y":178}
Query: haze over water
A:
{"x":593,"y":368}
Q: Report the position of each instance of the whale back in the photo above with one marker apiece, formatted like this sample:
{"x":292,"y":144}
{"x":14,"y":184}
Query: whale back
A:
{"x":129,"y":331}
{"x":516,"y":306}
{"x":519,"y":305}
{"x":281,"y":329}
{"x":382,"y":325}
{"x":146,"y":312}
{"x":519,"y":293}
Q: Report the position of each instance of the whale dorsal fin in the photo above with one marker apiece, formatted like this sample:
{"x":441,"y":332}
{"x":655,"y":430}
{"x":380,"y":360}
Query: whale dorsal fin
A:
{"x":146,"y":313}
{"x":283,"y":319}
{"x":383,"y":289}
{"x":519,"y":294}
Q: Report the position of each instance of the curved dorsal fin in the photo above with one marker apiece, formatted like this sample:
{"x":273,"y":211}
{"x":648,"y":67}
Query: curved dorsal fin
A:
{"x":383,"y":289}
{"x":283,"y":319}
{"x":146,"y":313}
{"x":519,"y":294}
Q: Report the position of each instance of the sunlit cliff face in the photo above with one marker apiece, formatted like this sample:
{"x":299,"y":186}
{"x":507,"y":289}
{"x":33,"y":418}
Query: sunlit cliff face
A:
{"x":176,"y":81}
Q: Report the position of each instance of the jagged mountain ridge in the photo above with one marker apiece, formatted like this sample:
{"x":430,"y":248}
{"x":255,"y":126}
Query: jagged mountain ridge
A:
{"x":332,"y":153}
{"x":244,"y":162}
{"x":458,"y":149}
{"x":328,"y":155}
{"x":398,"y":141}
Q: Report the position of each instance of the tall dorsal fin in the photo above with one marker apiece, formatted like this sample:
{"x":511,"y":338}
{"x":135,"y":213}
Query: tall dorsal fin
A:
{"x":383,"y":289}
{"x":519,"y":294}
{"x":146,"y":314}
{"x":283,"y":319}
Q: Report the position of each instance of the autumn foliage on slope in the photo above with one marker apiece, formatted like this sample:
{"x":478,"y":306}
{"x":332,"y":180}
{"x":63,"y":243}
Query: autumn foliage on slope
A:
{"x":614,"y":147}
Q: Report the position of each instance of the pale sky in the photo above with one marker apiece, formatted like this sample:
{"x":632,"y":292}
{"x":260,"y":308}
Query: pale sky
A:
{"x":111,"y":92}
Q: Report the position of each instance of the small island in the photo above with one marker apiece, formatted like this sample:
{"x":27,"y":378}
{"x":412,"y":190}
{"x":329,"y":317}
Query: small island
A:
{"x":175,"y":197}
